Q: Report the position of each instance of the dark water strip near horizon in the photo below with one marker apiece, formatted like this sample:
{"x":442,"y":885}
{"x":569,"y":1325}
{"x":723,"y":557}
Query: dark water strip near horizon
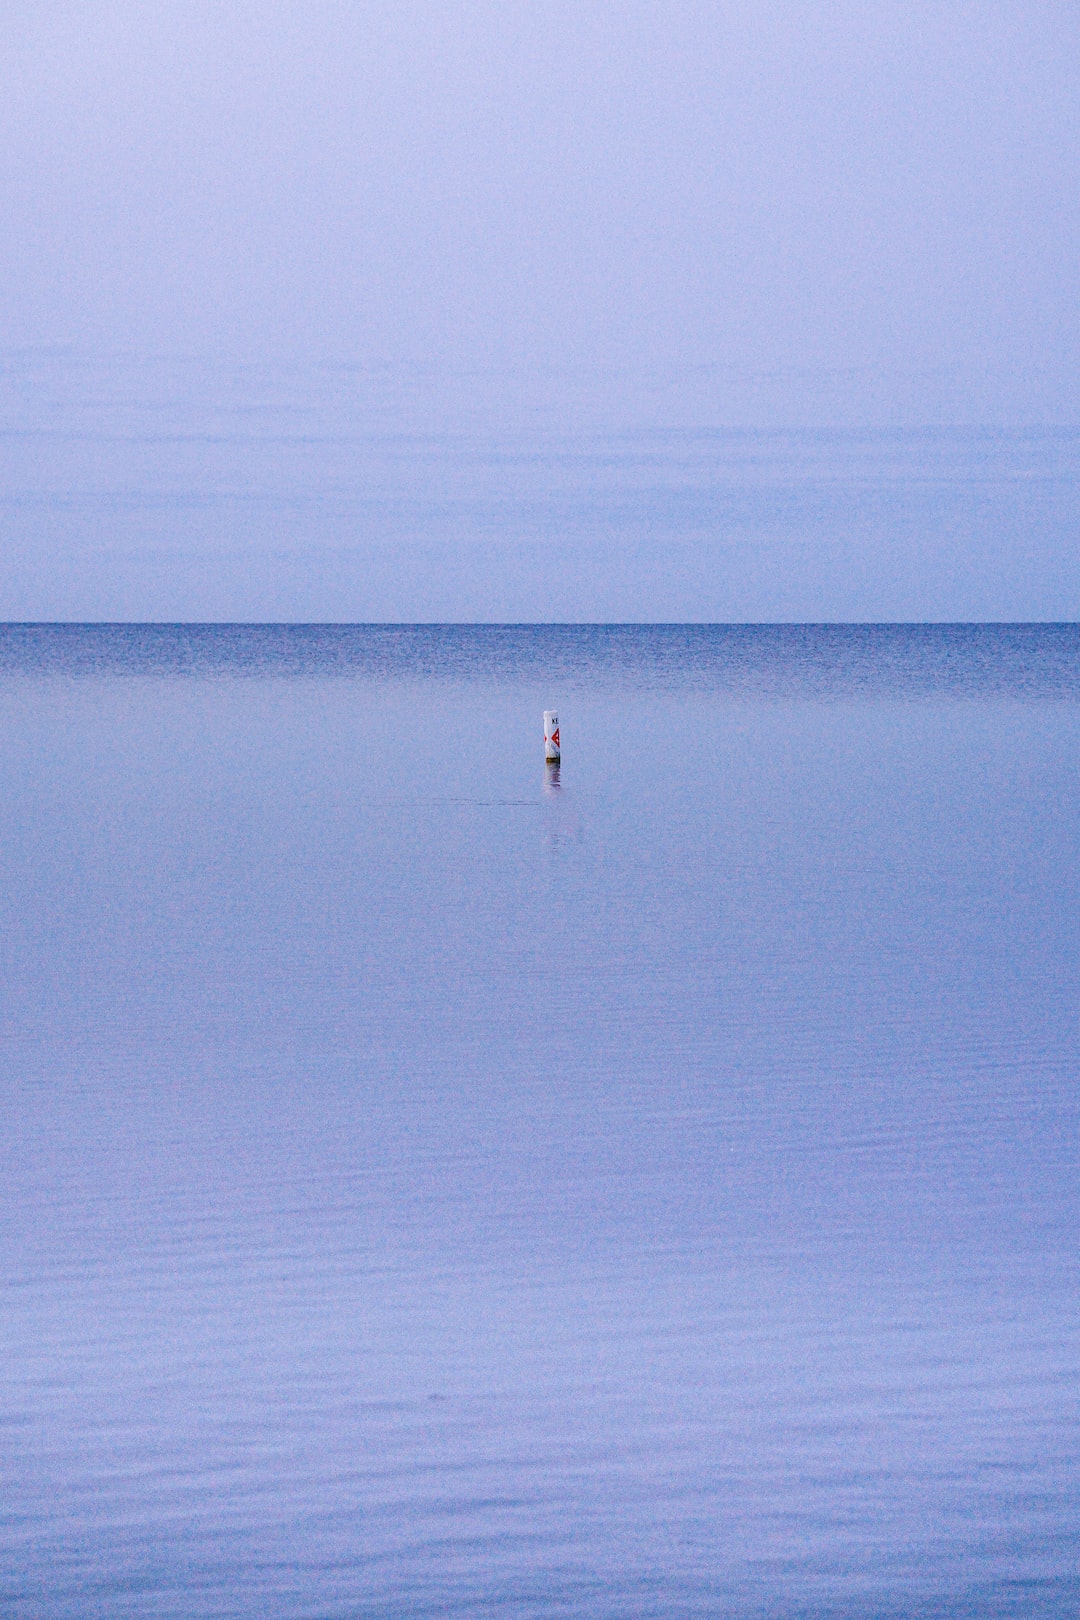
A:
{"x":1038,"y":661}
{"x":437,"y":1184}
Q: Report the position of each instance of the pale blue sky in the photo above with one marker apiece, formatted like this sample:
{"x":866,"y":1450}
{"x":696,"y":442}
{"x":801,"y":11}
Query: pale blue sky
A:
{"x":677,"y":215}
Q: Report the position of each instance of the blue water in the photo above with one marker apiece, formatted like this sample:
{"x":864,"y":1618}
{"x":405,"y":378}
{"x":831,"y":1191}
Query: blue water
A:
{"x":182,"y":490}
{"x":433,"y":1184}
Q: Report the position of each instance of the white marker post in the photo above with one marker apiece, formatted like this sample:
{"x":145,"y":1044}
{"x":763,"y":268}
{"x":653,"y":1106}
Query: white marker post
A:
{"x":551,"y":737}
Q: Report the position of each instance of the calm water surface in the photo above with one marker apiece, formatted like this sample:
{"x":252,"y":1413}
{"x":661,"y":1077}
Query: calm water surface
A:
{"x":192,"y":490}
{"x":435,"y":1185}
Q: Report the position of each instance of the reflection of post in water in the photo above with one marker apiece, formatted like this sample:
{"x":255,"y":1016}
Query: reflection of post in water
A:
{"x":551,"y":777}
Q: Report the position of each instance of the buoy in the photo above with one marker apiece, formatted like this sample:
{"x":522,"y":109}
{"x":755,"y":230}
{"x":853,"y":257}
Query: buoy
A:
{"x":551,"y":737}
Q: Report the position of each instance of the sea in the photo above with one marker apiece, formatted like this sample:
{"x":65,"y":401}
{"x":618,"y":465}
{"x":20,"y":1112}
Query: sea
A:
{"x":193,"y":490}
{"x":434,"y":1182}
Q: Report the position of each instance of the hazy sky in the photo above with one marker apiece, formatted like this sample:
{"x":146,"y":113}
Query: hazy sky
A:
{"x":855,"y":212}
{"x":770,"y":184}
